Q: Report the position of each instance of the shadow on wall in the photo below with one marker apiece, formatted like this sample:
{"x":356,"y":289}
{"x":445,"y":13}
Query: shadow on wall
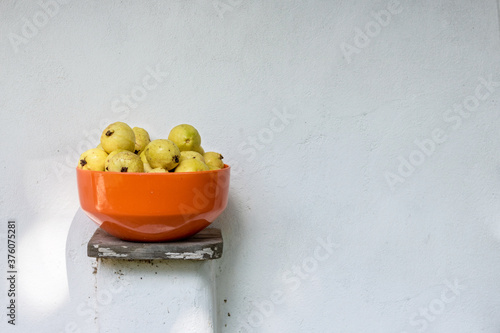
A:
{"x":230,"y":223}
{"x":81,"y":272}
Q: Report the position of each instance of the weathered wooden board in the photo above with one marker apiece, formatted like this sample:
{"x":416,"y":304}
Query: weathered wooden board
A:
{"x":205,"y":245}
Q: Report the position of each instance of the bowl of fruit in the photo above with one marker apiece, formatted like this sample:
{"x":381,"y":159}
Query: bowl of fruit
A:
{"x":144,"y":190}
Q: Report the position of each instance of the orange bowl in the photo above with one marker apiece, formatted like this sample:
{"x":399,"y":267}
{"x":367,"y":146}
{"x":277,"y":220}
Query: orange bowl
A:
{"x":153,"y":207}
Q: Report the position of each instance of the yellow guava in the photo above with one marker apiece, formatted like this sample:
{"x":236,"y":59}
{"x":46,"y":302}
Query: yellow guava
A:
{"x":157,"y":170}
{"x":113,"y":153}
{"x":214,"y":160}
{"x":118,"y":136}
{"x":92,"y":159}
{"x":191,"y":165}
{"x":200,"y":150}
{"x":147,"y":167}
{"x":185,"y":155}
{"x":125,"y":161}
{"x":162,"y":153}
{"x":185,"y":136}
{"x":141,"y":139}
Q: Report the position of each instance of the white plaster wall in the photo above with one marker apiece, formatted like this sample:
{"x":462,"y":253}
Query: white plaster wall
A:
{"x":420,"y":255}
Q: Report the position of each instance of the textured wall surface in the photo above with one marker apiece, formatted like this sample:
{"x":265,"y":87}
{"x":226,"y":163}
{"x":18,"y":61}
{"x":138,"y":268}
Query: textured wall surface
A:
{"x":364,"y":140}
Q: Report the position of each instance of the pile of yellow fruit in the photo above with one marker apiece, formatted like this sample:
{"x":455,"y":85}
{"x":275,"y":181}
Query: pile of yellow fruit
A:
{"x":126,"y":149}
